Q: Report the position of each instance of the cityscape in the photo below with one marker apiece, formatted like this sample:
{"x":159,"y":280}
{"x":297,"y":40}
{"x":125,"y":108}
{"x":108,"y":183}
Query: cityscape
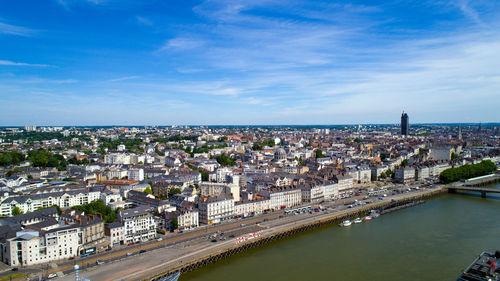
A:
{"x":262,"y":140}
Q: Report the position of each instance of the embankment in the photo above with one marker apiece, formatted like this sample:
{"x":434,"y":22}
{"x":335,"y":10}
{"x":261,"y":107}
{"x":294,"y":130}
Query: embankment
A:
{"x":297,"y":227}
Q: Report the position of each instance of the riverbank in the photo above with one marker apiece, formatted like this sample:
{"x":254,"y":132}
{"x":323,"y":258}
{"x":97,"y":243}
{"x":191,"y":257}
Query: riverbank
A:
{"x":273,"y":233}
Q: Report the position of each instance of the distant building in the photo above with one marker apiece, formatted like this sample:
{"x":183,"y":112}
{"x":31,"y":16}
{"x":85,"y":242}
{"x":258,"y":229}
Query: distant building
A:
{"x":405,"y":125}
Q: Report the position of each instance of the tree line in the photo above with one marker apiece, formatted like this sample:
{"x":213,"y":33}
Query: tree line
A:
{"x":467,"y":171}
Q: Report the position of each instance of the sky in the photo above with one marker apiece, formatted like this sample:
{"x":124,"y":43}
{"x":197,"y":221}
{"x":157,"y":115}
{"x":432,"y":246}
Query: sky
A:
{"x":239,"y":62}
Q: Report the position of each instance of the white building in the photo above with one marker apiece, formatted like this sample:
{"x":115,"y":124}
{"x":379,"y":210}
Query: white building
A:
{"x":253,"y":207}
{"x":64,"y":199}
{"x":135,"y":174}
{"x":139,"y":224}
{"x":282,"y":197}
{"x":214,"y":209}
{"x":29,"y":247}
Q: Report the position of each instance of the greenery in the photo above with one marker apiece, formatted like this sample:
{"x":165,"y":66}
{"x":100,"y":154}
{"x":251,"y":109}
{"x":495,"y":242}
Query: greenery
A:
{"x":11,"y":158}
{"x":43,"y":158}
{"x":357,"y":140}
{"x":404,"y":163}
{"x":260,"y":145}
{"x":225,"y":160}
{"x":13,"y":276}
{"x":454,"y":156}
{"x":347,"y":140}
{"x":175,"y":138}
{"x":98,"y":206}
{"x":12,"y":172}
{"x":148,"y":190}
{"x":173,"y":190}
{"x":16,"y":211}
{"x":132,"y":145}
{"x":319,"y":153}
{"x":174,"y":224}
{"x":467,"y":171}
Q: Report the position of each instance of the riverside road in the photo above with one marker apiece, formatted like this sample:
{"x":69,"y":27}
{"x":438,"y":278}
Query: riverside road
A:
{"x":186,"y":247}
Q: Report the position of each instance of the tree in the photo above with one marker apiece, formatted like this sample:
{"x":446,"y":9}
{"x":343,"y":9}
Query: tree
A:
{"x":467,"y":171}
{"x":404,"y":163}
{"x":174,"y":224}
{"x":257,"y":146}
{"x":173,"y":190}
{"x":16,"y":211}
{"x":454,"y":156}
{"x":225,"y":160}
{"x":383,"y":175}
{"x":319,"y":153}
{"x":98,"y":206}
{"x":357,"y":140}
{"x":148,"y":190}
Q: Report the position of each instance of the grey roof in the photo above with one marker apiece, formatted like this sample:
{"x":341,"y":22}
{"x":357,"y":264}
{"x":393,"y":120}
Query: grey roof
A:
{"x":114,"y":225}
{"x":23,"y":199}
{"x":49,"y":212}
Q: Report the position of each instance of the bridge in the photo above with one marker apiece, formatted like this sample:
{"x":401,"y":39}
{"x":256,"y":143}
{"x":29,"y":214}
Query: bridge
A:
{"x":482,"y":190}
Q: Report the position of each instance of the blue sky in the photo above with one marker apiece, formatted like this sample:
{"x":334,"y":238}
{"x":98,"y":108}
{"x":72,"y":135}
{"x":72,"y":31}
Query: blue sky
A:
{"x":147,"y":62}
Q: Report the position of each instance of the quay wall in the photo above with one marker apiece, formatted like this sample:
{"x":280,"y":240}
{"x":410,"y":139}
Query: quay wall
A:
{"x":395,"y":204}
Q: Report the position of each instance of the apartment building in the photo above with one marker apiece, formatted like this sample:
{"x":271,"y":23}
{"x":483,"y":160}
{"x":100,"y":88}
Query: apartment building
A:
{"x":139,"y":224}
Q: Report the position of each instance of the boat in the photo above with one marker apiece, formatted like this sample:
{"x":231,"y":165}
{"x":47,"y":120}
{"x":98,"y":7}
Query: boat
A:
{"x":358,"y":220}
{"x":346,"y":223}
{"x":484,"y":268}
{"x":374,"y":214}
{"x":367,"y":218}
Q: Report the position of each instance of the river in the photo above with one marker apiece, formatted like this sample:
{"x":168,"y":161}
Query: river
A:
{"x":432,"y":241}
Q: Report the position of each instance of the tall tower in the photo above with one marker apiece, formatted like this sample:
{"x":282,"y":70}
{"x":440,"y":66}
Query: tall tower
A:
{"x":405,"y":125}
{"x":459,"y":132}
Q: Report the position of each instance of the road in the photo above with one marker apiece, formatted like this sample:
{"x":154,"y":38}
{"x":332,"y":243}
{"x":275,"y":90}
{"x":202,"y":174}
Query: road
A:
{"x":159,"y":259}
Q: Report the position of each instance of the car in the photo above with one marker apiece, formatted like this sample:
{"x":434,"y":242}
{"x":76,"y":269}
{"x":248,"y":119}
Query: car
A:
{"x":84,"y":255}
{"x":15,"y":269}
{"x":99,"y":262}
{"x":129,"y":253}
{"x":231,"y":236}
{"x":130,"y":244}
{"x":159,"y":239}
{"x":213,"y":240}
{"x":52,"y":275}
{"x":109,"y":249}
{"x":142,"y":251}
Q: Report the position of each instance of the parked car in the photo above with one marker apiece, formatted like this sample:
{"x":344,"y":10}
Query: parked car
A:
{"x":213,"y":240}
{"x":99,"y":262}
{"x":52,"y":275}
{"x":142,"y":251}
{"x":129,"y":253}
{"x":84,"y":255}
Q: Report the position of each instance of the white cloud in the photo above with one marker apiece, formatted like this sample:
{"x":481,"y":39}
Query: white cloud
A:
{"x":15,"y":30}
{"x":12,"y":63}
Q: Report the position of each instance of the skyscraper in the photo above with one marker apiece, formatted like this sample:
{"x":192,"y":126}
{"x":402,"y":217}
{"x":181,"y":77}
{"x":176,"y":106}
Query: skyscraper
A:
{"x":405,"y":125}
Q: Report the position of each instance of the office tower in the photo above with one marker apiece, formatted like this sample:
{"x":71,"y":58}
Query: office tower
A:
{"x":405,"y":125}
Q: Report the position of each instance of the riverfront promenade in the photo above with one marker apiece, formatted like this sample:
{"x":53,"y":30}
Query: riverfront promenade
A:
{"x":177,"y":256}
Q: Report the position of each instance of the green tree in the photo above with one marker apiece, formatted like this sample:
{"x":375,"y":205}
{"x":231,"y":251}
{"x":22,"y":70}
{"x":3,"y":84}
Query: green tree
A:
{"x":404,"y":163}
{"x":98,"y":206}
{"x":225,"y":160}
{"x":173,"y":190}
{"x":319,"y":153}
{"x":16,"y":211}
{"x":174,"y":224}
{"x":357,"y":140}
{"x":454,"y":156}
{"x":148,"y":190}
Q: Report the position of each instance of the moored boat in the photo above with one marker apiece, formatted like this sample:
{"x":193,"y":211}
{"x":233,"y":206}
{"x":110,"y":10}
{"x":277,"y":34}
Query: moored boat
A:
{"x":346,"y":223}
{"x":367,"y":218}
{"x":358,"y":220}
